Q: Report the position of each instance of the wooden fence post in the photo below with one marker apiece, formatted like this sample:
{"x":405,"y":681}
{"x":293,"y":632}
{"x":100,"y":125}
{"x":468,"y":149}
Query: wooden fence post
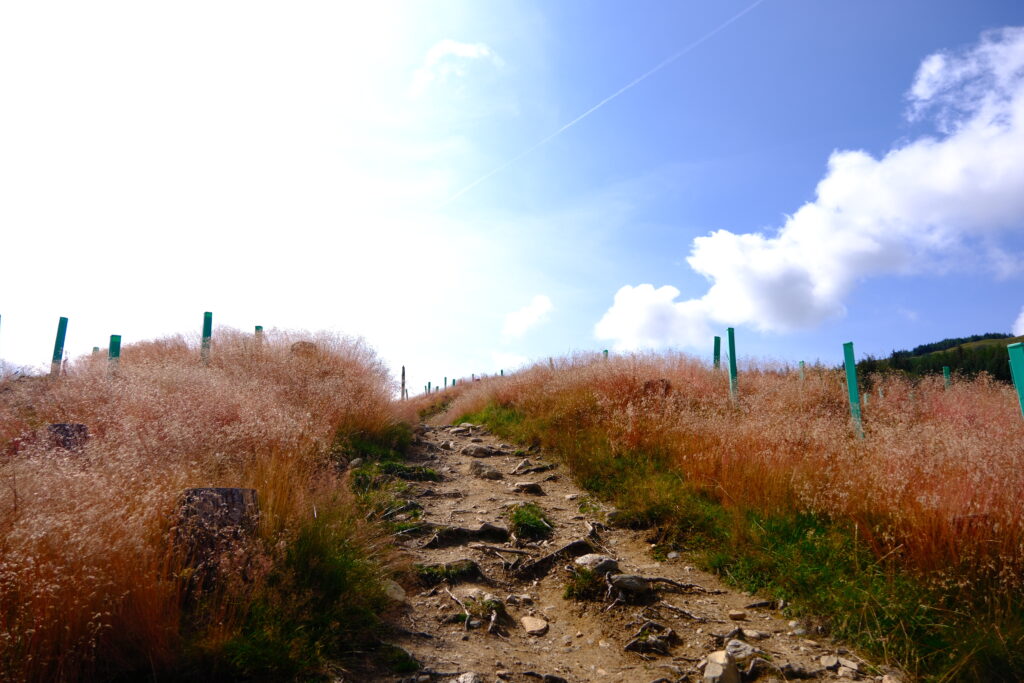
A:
{"x":58,"y":347}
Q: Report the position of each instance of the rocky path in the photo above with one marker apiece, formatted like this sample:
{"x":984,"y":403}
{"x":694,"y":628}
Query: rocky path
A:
{"x":491,"y":606}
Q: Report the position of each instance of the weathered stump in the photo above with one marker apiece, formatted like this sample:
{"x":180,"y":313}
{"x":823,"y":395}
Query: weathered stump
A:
{"x":213,"y":523}
{"x":70,"y":436}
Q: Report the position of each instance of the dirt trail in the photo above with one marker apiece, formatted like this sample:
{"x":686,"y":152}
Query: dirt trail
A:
{"x":583,"y":640}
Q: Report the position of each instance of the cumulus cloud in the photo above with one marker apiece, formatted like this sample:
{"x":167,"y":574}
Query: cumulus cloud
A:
{"x":1018,"y":324}
{"x":930,"y":206}
{"x":519,"y":322}
{"x":449,"y":59}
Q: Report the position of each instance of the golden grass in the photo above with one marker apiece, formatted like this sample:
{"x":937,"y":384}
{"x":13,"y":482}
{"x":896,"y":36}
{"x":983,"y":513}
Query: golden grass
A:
{"x":88,"y":584}
{"x":938,"y":481}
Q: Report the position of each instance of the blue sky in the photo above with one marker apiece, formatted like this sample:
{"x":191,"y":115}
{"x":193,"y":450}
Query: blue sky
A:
{"x":308,"y":168}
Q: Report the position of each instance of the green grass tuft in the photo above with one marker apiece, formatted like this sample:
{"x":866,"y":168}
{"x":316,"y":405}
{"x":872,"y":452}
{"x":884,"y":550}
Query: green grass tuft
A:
{"x":528,"y":521}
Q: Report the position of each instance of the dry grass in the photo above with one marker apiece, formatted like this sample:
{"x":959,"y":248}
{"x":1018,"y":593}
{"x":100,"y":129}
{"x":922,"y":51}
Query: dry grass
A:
{"x":88,"y":584}
{"x":938,"y":482}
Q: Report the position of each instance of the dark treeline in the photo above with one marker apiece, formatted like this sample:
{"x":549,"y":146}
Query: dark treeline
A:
{"x":930,"y":358}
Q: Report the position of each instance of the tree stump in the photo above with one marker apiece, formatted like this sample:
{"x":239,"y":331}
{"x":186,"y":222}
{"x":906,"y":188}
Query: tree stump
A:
{"x":213,"y":523}
{"x":70,"y":436}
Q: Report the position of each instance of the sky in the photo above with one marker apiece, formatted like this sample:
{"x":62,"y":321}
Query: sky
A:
{"x":474,"y":186}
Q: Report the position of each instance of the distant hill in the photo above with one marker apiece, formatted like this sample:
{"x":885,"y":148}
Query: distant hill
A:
{"x":963,"y":355}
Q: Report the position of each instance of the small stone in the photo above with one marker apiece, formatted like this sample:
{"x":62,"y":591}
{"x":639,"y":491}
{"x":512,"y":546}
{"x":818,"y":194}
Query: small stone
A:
{"x":721,"y":668}
{"x":484,"y":471}
{"x":849,"y":664}
{"x":572,"y":496}
{"x":737,"y":614}
{"x":355,"y":462}
{"x":530,"y":487}
{"x":741,"y":651}
{"x":470,"y":677}
{"x":673,"y":555}
{"x":751,"y":634}
{"x":597,"y":563}
{"x":604,"y":643}
{"x":829,"y":662}
{"x":889,"y":678}
{"x":394,"y":592}
{"x":476,"y":439}
{"x":534,"y":626}
{"x":847,"y":672}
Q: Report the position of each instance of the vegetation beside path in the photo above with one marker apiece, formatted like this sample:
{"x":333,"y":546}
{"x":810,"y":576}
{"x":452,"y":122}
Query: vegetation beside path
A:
{"x":907,"y":543}
{"x":91,"y":587}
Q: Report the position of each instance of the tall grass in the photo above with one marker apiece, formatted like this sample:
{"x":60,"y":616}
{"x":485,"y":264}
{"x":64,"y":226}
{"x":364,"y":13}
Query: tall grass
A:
{"x":933,"y":492}
{"x":89,"y":584}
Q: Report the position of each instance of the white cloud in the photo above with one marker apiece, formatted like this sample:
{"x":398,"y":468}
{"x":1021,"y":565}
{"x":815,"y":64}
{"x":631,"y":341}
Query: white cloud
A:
{"x":643,"y":316}
{"x":1018,"y":324}
{"x":447,"y":59}
{"x":933,"y":205}
{"x":519,"y":322}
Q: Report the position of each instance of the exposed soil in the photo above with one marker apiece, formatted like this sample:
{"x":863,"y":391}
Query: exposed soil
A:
{"x":584,"y":640}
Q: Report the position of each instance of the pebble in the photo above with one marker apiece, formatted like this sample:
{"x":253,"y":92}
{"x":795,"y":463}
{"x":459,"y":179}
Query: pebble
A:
{"x":737,"y":614}
{"x":720,"y":667}
{"x":394,"y":592}
{"x":673,"y":555}
{"x":534,"y":626}
{"x":355,"y":462}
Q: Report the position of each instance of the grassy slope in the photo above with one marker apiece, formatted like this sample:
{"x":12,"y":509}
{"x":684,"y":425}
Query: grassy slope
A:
{"x":894,"y":581}
{"x":90,"y":587}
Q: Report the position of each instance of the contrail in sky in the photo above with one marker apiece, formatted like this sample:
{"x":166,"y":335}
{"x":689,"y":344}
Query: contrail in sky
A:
{"x":644,"y":76}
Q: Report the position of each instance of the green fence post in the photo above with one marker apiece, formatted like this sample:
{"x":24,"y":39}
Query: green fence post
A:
{"x":58,"y":347}
{"x":95,"y":350}
{"x":733,"y":384}
{"x":204,"y":351}
{"x":717,"y":354}
{"x":429,"y":385}
{"x":606,"y":354}
{"x":801,"y":371}
{"x":403,"y":383}
{"x":453,"y":382}
{"x":114,"y":351}
{"x":851,"y":385}
{"x":446,"y":384}
{"x":259,"y":336}
{"x":1016,"y":352}
{"x":945,"y":376}
{"x":503,"y":372}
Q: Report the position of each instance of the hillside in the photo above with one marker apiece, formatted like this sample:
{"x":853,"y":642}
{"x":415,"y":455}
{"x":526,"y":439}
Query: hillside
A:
{"x":967,"y":356}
